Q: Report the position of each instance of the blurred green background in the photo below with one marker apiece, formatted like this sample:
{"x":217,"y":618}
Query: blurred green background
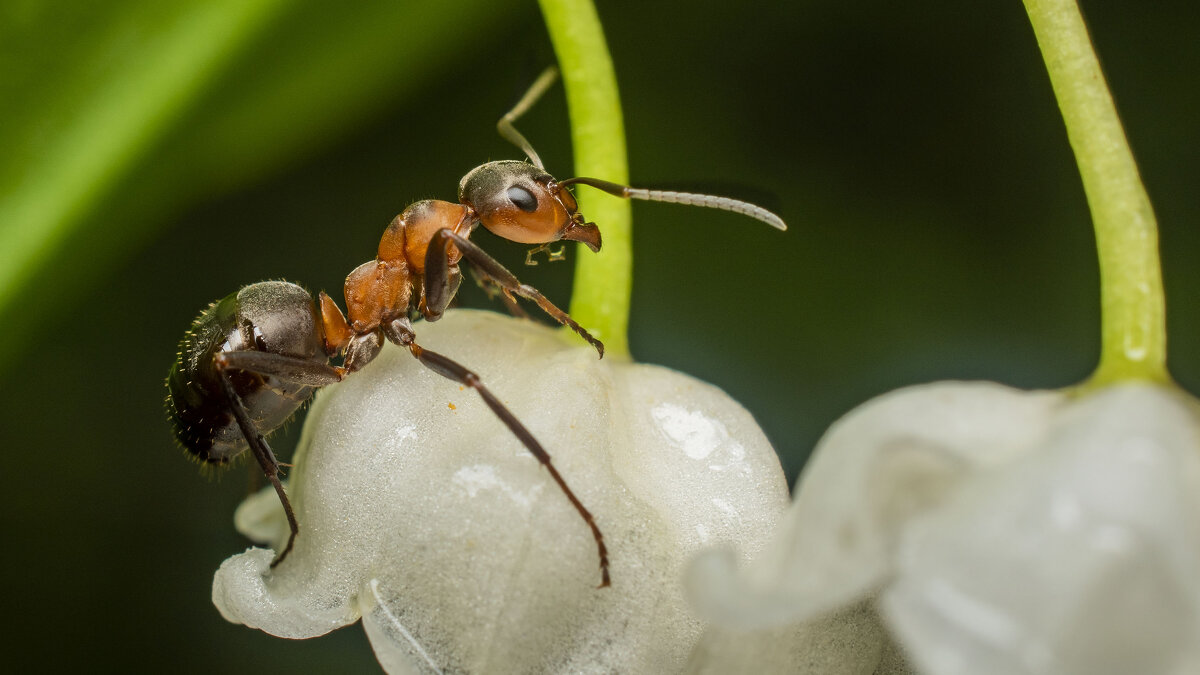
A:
{"x":939,"y":231}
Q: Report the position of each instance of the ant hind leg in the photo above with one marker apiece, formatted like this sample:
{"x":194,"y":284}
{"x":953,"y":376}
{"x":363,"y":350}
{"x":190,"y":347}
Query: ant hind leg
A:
{"x":287,"y":367}
{"x":400,"y":331}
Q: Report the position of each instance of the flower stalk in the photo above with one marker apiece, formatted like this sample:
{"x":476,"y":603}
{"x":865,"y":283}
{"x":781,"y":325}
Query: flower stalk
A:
{"x":603,"y":281}
{"x":1133,"y":315}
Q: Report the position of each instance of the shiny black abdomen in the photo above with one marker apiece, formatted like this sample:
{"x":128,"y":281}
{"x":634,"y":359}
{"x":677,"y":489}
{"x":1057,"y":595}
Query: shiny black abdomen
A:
{"x":270,"y":316}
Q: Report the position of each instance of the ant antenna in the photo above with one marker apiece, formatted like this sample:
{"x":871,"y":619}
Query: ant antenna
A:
{"x":689,"y":198}
{"x":539,"y":87}
{"x":505,"y":125}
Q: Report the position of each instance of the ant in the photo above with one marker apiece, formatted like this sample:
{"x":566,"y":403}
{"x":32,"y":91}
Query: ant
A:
{"x":253,"y":358}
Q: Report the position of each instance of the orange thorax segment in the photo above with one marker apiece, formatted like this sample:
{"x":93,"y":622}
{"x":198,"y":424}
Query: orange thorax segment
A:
{"x":377,"y":291}
{"x":407,"y":237}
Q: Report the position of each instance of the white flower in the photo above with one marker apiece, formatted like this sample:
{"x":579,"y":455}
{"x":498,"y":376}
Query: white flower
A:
{"x":421,"y":514}
{"x":1002,"y":531}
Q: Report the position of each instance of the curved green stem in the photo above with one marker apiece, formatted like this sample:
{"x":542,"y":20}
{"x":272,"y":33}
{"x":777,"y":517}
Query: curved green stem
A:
{"x":1133,"y":315}
{"x":604,"y":281}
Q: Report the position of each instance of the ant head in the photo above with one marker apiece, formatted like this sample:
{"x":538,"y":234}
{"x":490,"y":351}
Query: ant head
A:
{"x":523,"y":203}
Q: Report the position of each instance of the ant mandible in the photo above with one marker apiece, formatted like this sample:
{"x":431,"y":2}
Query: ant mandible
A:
{"x":252,"y":359}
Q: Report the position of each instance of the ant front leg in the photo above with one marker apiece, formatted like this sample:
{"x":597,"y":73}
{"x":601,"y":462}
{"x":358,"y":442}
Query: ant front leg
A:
{"x":289,"y":368}
{"x":400,"y":331}
{"x":449,"y":279}
{"x":437,"y":265}
{"x":551,"y":255}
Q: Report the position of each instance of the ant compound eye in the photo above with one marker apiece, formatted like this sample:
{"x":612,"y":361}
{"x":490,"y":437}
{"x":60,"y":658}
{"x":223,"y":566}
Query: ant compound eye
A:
{"x":515,"y":201}
{"x":523,"y":199}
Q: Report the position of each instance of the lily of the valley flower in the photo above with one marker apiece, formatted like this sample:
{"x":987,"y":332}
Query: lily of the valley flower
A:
{"x":421,"y":514}
{"x":998,"y":531}
{"x":1007,"y":532}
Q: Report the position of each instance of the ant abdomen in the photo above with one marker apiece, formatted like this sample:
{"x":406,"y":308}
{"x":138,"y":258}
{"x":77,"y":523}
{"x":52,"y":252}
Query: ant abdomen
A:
{"x":272,"y":317}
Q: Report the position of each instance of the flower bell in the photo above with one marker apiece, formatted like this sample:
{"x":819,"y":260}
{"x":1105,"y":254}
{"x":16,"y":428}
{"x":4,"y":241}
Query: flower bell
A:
{"x":993,"y":530}
{"x":423,"y":516}
{"x":996,"y":530}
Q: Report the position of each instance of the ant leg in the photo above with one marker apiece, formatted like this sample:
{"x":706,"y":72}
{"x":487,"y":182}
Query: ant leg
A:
{"x":446,"y":291}
{"x":437,"y":263}
{"x":493,"y":288}
{"x":266,"y":458}
{"x":286,"y":367}
{"x":290,"y":368}
{"x":551,"y":254}
{"x":400,"y":331}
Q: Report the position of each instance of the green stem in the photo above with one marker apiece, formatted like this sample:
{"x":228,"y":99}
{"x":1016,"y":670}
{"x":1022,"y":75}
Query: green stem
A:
{"x":1133,"y":315}
{"x":604,"y":281}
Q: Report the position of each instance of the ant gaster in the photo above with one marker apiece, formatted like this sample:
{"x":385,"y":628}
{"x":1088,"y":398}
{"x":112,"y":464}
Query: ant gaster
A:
{"x":252,"y":359}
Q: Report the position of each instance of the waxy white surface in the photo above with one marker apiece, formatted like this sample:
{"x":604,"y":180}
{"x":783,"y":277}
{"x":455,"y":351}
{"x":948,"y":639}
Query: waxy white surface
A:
{"x":421,"y":514}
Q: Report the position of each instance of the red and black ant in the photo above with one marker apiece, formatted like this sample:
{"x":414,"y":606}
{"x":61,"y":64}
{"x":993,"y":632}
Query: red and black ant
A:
{"x":252,"y":359}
